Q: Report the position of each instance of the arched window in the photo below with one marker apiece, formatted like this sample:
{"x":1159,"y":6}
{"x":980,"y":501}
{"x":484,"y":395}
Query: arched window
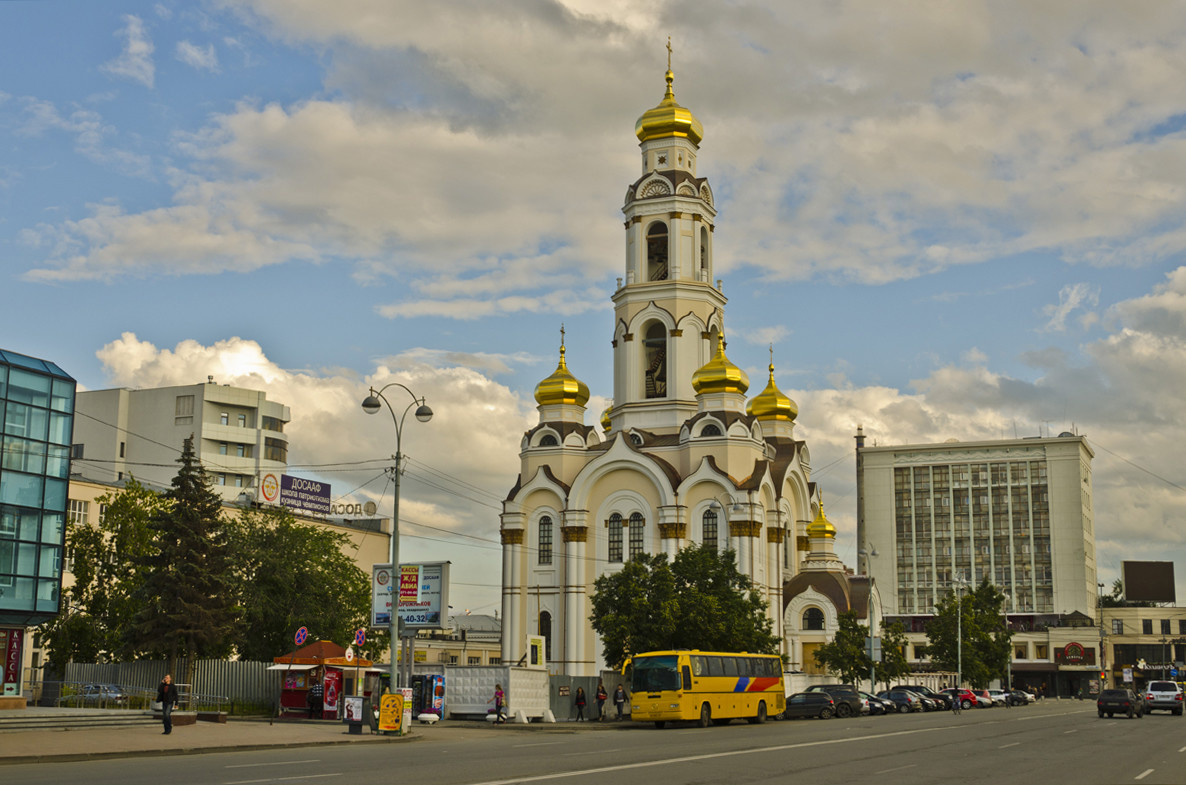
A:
{"x":545,"y":629}
{"x":813,"y":619}
{"x":712,"y":429}
{"x":654,"y":345}
{"x":637,"y":527}
{"x":657,"y":251}
{"x":704,"y":251}
{"x":548,"y":440}
{"x":709,"y":527}
{"x":615,"y":538}
{"x":545,"y":540}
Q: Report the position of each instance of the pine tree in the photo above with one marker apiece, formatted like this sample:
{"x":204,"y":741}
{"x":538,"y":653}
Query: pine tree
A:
{"x":186,"y":607}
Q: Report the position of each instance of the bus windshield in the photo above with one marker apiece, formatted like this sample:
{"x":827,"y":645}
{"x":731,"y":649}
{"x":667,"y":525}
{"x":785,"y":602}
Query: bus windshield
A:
{"x":654,"y":674}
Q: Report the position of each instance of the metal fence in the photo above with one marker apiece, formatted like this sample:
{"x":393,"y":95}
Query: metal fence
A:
{"x":217,"y":684}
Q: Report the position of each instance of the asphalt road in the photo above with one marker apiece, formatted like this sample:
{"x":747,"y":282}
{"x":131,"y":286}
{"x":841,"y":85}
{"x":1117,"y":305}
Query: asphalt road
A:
{"x":1044,"y":744}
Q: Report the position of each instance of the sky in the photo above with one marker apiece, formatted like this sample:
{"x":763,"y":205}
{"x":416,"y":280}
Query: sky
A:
{"x":957,"y":220}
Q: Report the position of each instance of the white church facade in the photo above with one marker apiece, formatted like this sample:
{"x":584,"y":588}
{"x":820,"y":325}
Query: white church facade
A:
{"x":681,"y":456}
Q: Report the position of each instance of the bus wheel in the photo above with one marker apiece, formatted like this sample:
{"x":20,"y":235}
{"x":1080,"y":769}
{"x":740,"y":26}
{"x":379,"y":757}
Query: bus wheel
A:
{"x":761,"y":717}
{"x":705,"y":716}
{"x":660,"y":724}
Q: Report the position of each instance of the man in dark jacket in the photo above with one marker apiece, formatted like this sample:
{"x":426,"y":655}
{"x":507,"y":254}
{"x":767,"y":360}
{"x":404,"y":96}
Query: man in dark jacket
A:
{"x":166,"y":695}
{"x":315,"y":697}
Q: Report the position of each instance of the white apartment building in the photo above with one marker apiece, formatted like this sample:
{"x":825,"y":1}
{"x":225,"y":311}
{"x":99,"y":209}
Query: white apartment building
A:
{"x":1018,"y":512}
{"x":238,"y":434}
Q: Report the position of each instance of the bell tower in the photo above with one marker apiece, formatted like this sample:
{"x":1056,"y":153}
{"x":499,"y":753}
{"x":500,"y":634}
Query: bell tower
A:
{"x":668,"y":313}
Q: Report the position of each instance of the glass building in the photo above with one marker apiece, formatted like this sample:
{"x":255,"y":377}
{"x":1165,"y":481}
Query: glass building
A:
{"x":37,"y":410}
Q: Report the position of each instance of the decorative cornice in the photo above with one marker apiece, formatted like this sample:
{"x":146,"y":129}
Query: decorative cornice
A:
{"x":776,"y":535}
{"x":802,"y":543}
{"x":675,"y":333}
{"x":673,"y":531}
{"x":512,"y":536}
{"x":575,"y":533}
{"x":627,"y":336}
{"x":745,"y":528}
{"x":625,"y":523}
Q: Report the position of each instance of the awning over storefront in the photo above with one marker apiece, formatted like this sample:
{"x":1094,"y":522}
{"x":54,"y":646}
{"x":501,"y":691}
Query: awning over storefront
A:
{"x":283,"y":667}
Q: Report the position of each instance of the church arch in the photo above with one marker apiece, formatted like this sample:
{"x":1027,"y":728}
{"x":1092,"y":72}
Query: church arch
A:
{"x":658,"y":251}
{"x":654,"y":360}
{"x":813,"y":619}
{"x":705,"y":255}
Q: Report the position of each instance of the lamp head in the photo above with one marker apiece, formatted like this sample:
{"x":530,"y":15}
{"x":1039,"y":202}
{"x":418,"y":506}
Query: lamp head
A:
{"x":371,"y":404}
{"x":423,"y":413}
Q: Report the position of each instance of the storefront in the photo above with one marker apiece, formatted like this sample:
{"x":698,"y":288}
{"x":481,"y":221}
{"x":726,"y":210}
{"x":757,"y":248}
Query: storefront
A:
{"x":314,"y":680}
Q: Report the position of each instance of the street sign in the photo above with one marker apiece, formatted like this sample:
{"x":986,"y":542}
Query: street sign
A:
{"x":349,"y":654}
{"x":301,"y":636}
{"x":360,"y":636}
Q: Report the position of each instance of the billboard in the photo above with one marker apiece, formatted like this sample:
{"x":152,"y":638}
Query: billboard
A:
{"x":423,"y":592}
{"x":296,"y":493}
{"x":1149,"y":581}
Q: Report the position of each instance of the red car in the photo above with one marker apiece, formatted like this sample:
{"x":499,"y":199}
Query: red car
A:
{"x":967,"y":698}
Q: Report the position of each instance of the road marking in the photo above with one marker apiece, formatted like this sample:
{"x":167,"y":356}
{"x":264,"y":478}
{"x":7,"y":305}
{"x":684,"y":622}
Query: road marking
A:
{"x":1014,"y":744}
{"x":1144,"y":774}
{"x":707,"y":756}
{"x":1182,"y":750}
{"x":541,"y":744}
{"x":1073,"y":730}
{"x":899,"y":768}
{"x":589,"y":752}
{"x":281,"y":763}
{"x":284,"y":779}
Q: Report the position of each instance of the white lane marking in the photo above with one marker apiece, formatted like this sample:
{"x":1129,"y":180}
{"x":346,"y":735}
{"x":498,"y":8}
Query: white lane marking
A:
{"x":1073,"y":730}
{"x":1014,"y":744}
{"x":707,"y":756}
{"x":1144,"y":774}
{"x":284,"y":779}
{"x":587,"y":752}
{"x":278,"y":763}
{"x":1182,"y":750}
{"x":899,"y":768}
{"x":540,"y":744}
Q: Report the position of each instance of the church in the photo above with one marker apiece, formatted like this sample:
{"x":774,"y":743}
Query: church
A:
{"x":680,"y":457}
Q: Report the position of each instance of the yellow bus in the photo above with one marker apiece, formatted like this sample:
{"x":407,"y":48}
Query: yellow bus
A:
{"x":705,"y":686}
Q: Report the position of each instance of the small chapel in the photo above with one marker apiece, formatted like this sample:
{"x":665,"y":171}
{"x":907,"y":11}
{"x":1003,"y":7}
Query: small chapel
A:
{"x":680,"y":457}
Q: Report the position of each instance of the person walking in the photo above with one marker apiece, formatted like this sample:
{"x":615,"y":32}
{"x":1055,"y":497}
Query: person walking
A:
{"x":619,"y":700}
{"x":602,"y":696}
{"x":579,"y":702}
{"x":500,"y":703}
{"x":956,"y":700}
{"x":166,"y":695}
{"x":315,"y":698}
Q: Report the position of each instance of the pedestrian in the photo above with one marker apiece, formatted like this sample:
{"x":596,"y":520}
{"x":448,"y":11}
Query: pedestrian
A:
{"x":579,"y":702}
{"x":620,"y":700}
{"x":957,"y":700}
{"x":499,"y":701}
{"x":602,"y":696}
{"x":166,"y":695}
{"x":315,"y":698}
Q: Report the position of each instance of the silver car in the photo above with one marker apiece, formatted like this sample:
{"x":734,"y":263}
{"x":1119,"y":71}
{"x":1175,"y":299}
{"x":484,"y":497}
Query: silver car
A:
{"x":1164,"y":695}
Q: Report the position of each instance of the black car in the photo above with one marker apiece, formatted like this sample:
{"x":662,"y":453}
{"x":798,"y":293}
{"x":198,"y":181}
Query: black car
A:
{"x":905,"y":700}
{"x":846,"y":697}
{"x":1120,"y":702}
{"x":810,"y":704}
{"x":879,"y":705}
{"x":927,"y":692}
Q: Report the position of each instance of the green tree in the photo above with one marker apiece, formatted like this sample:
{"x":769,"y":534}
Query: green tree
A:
{"x":185,"y":602}
{"x":699,"y":601}
{"x":99,"y":607}
{"x":286,"y":575}
{"x":893,"y":665}
{"x":845,"y":654}
{"x":975,"y":618}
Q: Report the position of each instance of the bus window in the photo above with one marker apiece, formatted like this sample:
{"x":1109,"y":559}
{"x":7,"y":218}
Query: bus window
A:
{"x":655,"y":674}
{"x":730,"y":664}
{"x":715,"y":668}
{"x":687,"y":673}
{"x":700,"y":669}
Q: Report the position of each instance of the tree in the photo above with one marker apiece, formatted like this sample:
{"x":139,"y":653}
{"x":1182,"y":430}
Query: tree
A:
{"x":986,"y":643}
{"x":699,"y":601}
{"x":286,"y":575}
{"x":893,"y":665}
{"x":185,"y":604}
{"x":100,"y":606}
{"x":845,"y":654}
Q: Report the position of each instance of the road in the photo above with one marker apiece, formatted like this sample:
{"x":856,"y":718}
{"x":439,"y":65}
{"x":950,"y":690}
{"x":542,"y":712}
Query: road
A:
{"x":1042,"y":744}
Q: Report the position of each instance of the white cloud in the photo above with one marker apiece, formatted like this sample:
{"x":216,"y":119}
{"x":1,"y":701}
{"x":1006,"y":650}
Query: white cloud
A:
{"x":135,"y":61}
{"x":90,"y":131}
{"x":766,"y":335}
{"x":1071,"y":298}
{"x":203,"y":59}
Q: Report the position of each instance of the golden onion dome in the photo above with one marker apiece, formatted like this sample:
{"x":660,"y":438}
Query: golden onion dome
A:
{"x":821,"y":526}
{"x":669,"y":119}
{"x":719,"y":375}
{"x":561,"y":387}
{"x":771,"y":404}
{"x":606,"y":423}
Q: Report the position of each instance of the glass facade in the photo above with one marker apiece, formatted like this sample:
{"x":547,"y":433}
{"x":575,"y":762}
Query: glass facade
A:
{"x":37,"y":413}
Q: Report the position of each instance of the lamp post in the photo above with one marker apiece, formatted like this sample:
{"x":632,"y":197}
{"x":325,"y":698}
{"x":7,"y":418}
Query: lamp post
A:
{"x":371,"y":405}
{"x":871,"y":553}
{"x":1009,"y":661}
{"x":960,"y":583}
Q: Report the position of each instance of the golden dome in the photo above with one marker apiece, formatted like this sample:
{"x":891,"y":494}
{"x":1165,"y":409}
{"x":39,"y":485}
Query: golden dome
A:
{"x":606,"y":423}
{"x":669,"y":119}
{"x":821,"y":526}
{"x":719,"y":375}
{"x":561,"y":387}
{"x":771,"y":404}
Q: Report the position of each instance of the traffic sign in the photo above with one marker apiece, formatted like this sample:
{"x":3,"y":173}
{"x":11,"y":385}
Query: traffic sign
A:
{"x":349,"y":654}
{"x":301,"y":636}
{"x":360,"y":636}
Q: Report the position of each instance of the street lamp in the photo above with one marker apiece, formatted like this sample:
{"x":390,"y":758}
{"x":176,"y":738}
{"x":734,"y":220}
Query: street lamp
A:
{"x":371,"y":405}
{"x":1009,"y":661}
{"x":960,"y":583}
{"x":870,"y":554}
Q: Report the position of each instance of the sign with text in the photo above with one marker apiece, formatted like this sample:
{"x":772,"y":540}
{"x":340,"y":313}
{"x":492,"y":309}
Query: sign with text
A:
{"x":301,"y":495}
{"x":391,"y":712}
{"x":12,"y":644}
{"x":422,"y":591}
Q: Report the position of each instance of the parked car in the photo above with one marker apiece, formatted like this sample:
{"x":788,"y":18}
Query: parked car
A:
{"x":967,"y":698}
{"x":985,"y":695}
{"x":1120,"y":702}
{"x":904,"y":700}
{"x":1006,"y":698}
{"x":879,"y":705}
{"x":810,"y":704}
{"x":1164,"y":695}
{"x":945,"y":700}
{"x":1024,"y":695}
{"x":928,"y":703}
{"x":97,"y":695}
{"x":848,"y":701}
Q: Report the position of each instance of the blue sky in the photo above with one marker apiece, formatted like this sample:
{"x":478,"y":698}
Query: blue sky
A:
{"x":955,"y":221}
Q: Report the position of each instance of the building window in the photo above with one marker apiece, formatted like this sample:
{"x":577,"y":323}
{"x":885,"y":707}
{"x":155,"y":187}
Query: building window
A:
{"x":1117,"y":626}
{"x":709,"y":527}
{"x":475,"y":660}
{"x":1041,"y":651}
{"x":275,"y":450}
{"x":545,"y":629}
{"x":1182,"y":626}
{"x":183,"y":410}
{"x":241,"y":450}
{"x":637,"y":527}
{"x":654,"y":345}
{"x":76,"y":452}
{"x":548,"y":440}
{"x":238,"y":481}
{"x":1165,"y":627}
{"x":813,"y":619}
{"x":222,"y":448}
{"x":1147,"y":626}
{"x":712,"y":429}
{"x":222,"y":479}
{"x":77,"y":512}
{"x":615,"y":538}
{"x":657,"y":251}
{"x":224,"y":418}
{"x":496,"y":660}
{"x":242,"y":420}
{"x":545,"y":540}
{"x":272,"y":424}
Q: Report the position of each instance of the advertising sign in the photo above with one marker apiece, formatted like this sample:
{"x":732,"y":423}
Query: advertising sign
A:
{"x":307,"y":496}
{"x":332,"y":691}
{"x":12,"y":642}
{"x":423,"y":592}
{"x":537,"y":651}
{"x":353,"y":706}
{"x":391,"y":712}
